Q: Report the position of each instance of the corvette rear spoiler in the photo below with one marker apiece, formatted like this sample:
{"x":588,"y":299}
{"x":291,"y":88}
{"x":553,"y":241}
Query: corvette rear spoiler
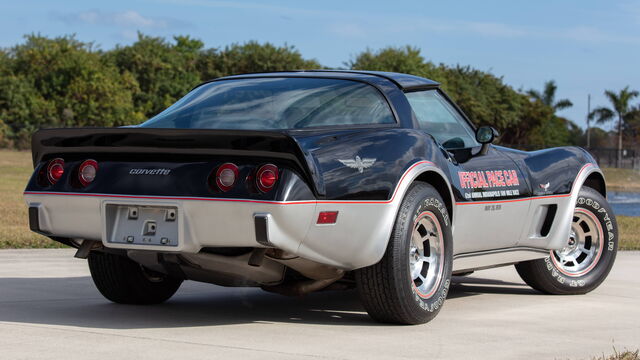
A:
{"x":47,"y":143}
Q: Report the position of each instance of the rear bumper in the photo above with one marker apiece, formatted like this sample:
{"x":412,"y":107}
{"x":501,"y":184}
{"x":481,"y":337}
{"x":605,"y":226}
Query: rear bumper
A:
{"x":358,"y":238}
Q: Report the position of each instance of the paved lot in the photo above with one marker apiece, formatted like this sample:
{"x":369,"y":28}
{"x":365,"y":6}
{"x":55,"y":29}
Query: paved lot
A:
{"x":50,"y":309}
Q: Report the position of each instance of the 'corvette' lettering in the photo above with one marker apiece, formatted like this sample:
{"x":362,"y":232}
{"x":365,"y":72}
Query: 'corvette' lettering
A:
{"x":488,"y":179}
{"x":149,"y":171}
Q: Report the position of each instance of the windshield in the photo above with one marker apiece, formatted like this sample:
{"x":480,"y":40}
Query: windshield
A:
{"x":275,"y":103}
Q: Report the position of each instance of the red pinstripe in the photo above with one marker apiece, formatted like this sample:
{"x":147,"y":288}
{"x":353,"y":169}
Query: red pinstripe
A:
{"x":395,"y":192}
{"x":238,"y":200}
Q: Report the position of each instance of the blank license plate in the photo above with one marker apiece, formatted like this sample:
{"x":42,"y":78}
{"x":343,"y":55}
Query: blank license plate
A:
{"x":142,"y":225}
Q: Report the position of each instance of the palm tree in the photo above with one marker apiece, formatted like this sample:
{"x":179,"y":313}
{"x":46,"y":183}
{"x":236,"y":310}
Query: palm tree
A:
{"x":622,"y":109}
{"x":548,"y":96}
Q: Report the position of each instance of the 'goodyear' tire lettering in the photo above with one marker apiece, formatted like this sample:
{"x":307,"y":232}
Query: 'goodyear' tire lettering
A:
{"x":549,"y":276}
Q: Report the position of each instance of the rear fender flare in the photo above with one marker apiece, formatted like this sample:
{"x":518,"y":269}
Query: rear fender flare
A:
{"x":364,"y":240}
{"x":412,"y":175}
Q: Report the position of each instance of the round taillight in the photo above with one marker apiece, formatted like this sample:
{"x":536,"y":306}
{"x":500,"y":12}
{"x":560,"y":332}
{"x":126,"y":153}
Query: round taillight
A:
{"x":226,"y":176}
{"x":266,"y":177}
{"x":55,"y":169}
{"x":87,"y":172}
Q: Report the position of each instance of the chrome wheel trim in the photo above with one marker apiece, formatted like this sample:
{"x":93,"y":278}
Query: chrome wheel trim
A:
{"x":584,"y":246}
{"x":426,"y":255}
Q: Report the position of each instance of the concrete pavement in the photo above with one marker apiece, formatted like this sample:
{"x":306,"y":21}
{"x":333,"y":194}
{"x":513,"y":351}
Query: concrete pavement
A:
{"x":50,"y":309}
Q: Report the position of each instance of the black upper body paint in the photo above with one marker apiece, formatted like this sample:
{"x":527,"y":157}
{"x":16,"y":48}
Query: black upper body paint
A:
{"x":309,"y":160}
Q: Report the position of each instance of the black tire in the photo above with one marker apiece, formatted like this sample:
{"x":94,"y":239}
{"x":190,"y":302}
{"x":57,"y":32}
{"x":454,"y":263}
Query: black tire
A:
{"x":388,"y":290}
{"x":124,"y":281}
{"x":551,"y":276}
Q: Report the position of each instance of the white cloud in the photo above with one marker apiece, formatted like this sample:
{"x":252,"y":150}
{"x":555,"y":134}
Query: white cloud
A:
{"x":254,"y":6}
{"x":132,"y":18}
{"x":347,"y":30}
{"x":495,"y":29}
{"x":585,"y":34}
{"x":593,"y":35}
{"x":125,"y":19}
{"x":128,"y":35}
{"x":632,"y":9}
{"x":360,"y":24}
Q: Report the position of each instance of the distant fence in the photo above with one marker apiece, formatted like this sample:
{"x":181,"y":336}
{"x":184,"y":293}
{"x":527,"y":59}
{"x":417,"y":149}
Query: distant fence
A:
{"x":606,"y":157}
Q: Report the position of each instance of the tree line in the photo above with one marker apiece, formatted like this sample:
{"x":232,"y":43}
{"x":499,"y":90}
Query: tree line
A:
{"x":64,"y":82}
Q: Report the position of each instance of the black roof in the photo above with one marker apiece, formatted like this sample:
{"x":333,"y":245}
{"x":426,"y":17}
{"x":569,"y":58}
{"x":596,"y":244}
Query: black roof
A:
{"x":403,"y":81}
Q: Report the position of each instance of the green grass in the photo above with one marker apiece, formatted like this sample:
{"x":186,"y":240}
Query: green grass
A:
{"x":622,"y":179}
{"x":625,"y":355}
{"x":15,"y":170}
{"x":629,"y":230}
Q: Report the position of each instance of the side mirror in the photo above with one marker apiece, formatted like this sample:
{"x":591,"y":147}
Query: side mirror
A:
{"x":485,"y":136}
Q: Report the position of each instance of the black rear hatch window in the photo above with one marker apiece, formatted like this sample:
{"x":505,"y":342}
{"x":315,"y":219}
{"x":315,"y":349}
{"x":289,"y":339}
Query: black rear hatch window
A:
{"x":276,"y":103}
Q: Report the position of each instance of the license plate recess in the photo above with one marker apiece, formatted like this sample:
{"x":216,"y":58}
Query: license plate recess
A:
{"x":142,"y":225}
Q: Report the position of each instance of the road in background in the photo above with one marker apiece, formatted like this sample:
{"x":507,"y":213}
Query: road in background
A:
{"x":49,"y":308}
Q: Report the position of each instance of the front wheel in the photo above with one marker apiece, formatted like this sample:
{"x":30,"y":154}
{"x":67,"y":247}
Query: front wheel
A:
{"x":590,"y":251}
{"x":410,"y":283}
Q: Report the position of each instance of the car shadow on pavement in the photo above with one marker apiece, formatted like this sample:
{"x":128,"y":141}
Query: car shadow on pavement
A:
{"x":462,"y":286}
{"x":75,"y":302}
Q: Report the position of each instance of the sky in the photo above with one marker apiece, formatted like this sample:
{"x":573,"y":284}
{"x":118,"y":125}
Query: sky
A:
{"x":586,"y":46}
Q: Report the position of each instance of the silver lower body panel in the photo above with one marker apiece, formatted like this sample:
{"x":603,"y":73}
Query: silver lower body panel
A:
{"x":357,"y":239}
{"x":494,"y":258}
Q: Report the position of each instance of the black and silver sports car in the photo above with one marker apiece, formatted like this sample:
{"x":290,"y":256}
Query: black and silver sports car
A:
{"x":310,"y":180}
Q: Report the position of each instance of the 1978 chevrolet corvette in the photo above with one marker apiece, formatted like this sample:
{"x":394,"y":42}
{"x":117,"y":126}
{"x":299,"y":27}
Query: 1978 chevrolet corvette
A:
{"x":309,"y":180}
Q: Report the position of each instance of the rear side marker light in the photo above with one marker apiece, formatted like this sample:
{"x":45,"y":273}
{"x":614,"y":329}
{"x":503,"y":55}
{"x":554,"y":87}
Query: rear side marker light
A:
{"x":266,"y":177}
{"x":55,"y":169}
{"x":87,"y":172}
{"x":327,"y":217}
{"x":226,"y":176}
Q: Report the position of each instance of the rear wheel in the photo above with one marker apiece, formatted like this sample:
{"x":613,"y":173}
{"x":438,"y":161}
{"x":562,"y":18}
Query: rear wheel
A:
{"x":124,"y":281}
{"x":410,"y":283}
{"x":590,"y":251}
